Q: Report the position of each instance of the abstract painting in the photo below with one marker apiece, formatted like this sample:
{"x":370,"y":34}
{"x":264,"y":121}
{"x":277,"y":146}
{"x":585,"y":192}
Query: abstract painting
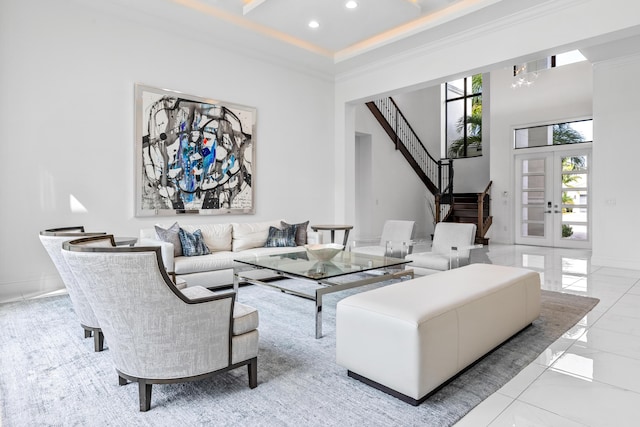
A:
{"x":193,"y":155}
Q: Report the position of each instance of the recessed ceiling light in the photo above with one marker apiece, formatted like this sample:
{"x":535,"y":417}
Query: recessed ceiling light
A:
{"x":351,"y":4}
{"x":314,"y":24}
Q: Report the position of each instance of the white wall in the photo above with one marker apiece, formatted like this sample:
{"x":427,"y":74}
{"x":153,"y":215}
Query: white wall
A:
{"x":66,"y":126}
{"x":616,"y":152}
{"x":423,"y":110}
{"x":396,"y":190}
{"x":558,"y":95}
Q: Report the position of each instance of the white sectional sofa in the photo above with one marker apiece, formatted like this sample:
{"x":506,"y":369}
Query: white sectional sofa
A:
{"x":409,"y":338}
{"x":226,"y":242}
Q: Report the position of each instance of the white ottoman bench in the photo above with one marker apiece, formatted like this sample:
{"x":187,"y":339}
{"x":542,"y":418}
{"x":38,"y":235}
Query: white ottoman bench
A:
{"x":409,"y":338}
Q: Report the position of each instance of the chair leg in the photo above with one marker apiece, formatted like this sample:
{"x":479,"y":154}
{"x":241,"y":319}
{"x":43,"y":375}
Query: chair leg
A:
{"x":253,"y":373}
{"x":98,"y":341}
{"x":144,"y":390}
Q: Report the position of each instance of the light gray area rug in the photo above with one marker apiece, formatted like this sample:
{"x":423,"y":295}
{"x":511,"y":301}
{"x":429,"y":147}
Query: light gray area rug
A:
{"x":49,"y":374}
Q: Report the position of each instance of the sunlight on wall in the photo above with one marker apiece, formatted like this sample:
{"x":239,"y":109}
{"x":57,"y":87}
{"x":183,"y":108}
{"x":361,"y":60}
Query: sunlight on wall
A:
{"x":75,"y":205}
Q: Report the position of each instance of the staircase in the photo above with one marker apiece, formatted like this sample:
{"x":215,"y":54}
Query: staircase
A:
{"x":437,"y":175}
{"x":473,"y":208}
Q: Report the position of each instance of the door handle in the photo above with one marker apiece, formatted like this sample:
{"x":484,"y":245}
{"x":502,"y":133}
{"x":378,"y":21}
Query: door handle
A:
{"x":547,"y":211}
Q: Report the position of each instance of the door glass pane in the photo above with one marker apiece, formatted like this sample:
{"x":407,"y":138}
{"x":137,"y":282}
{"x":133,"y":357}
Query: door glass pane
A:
{"x":570,"y":198}
{"x":533,"y":213}
{"x":532,"y":230}
{"x":574,"y":180}
{"x":533,"y":182}
{"x":574,"y":163}
{"x":533,"y":166}
{"x":574,"y":232}
{"x":533,"y":197}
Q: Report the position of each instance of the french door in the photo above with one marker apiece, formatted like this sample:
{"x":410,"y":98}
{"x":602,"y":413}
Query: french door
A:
{"x":552,"y":198}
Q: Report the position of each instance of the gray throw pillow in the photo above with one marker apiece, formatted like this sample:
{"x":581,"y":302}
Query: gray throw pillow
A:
{"x":281,"y":238}
{"x":171,"y":235}
{"x":301,"y":232}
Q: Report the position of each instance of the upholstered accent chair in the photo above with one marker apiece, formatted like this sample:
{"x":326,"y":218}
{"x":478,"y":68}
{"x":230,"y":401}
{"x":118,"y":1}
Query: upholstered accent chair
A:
{"x":451,"y":247}
{"x":396,"y":240}
{"x":52,"y":240}
{"x":158,"y":334}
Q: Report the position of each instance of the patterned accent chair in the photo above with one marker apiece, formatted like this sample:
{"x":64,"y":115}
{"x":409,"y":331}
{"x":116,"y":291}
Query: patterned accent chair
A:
{"x":52,"y":240}
{"x":158,"y":334}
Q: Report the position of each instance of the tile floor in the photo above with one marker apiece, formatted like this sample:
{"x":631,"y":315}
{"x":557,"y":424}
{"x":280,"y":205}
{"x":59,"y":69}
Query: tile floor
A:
{"x":591,"y":375}
{"x":588,"y":377}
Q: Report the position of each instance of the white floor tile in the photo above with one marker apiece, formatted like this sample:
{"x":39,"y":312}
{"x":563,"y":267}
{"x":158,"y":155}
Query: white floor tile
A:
{"x":520,"y":414}
{"x":614,"y":342}
{"x":618,"y":323}
{"x":619,"y":272}
{"x":628,"y":305}
{"x":580,"y":400}
{"x":521,"y":381}
{"x":485,"y":412}
{"x":601,"y":366}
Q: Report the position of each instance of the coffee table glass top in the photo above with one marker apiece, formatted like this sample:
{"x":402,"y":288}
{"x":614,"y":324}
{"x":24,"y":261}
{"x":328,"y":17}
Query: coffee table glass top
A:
{"x":303,"y":265}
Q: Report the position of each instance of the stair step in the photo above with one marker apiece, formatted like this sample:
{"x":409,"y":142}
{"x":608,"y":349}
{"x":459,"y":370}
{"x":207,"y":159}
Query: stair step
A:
{"x":465,"y":214}
{"x":458,"y":205}
{"x":466,"y":220}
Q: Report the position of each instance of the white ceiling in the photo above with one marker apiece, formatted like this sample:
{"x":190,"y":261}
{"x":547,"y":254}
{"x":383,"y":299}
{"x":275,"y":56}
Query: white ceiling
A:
{"x":340,"y":28}
{"x":278,"y":30}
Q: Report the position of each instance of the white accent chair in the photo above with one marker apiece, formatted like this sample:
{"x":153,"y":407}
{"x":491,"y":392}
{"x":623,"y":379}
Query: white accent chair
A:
{"x":156,"y":333}
{"x":452,"y":244}
{"x":52,"y":240}
{"x":396,"y":240}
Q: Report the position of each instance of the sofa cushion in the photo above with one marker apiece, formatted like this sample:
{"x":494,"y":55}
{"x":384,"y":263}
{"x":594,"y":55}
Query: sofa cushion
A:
{"x":193,"y":243}
{"x":301,"y":232}
{"x":281,"y":238}
{"x":170,"y":235}
{"x":213,"y":261}
{"x":217,"y":237}
{"x":251,"y":235}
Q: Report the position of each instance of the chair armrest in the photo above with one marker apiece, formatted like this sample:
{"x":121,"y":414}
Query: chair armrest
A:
{"x":165,"y":247}
{"x":200,"y":294}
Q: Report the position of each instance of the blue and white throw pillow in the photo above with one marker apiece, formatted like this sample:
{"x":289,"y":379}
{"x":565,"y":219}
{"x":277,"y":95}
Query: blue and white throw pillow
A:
{"x":281,"y":238}
{"x":193,"y":243}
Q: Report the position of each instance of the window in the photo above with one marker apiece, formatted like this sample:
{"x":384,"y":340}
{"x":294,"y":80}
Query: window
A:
{"x":464,"y":117}
{"x":526,"y":73}
{"x":556,"y":134}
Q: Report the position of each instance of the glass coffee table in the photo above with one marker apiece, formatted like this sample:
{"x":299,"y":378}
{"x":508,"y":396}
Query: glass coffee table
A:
{"x":329,"y":276}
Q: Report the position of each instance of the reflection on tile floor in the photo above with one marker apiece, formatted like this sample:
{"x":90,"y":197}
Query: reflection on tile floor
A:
{"x":588,"y":377}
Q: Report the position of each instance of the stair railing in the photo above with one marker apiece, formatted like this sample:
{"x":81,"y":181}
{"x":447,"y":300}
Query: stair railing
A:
{"x":484,"y":211}
{"x":439,"y":172}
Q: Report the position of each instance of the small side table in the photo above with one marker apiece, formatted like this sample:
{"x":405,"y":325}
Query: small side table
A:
{"x":333,"y":228}
{"x":125,"y":241}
